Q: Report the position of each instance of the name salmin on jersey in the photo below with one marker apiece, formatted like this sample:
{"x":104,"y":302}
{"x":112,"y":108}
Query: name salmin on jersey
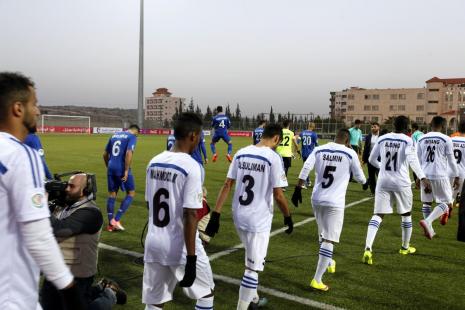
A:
{"x":257,"y":171}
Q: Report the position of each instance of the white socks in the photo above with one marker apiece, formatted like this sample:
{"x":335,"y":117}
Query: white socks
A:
{"x":248,"y":289}
{"x":426,"y":210}
{"x":439,"y":210}
{"x":324,"y":259}
{"x":406,"y":231}
{"x":205,"y":303}
{"x":373,"y":226}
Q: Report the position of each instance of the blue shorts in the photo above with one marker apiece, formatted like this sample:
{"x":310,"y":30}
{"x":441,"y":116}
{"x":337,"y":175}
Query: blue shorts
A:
{"x":217,"y":137}
{"x":115,"y":183}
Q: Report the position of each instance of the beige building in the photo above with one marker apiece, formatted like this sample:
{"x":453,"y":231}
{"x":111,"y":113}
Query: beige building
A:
{"x":161,"y":106}
{"x":444,"y":97}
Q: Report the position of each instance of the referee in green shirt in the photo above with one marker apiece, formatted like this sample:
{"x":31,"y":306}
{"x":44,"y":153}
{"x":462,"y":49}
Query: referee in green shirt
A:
{"x":356,"y":136}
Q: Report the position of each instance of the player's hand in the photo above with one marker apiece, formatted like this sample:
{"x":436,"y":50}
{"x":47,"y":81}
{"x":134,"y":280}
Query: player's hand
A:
{"x":417,"y":183}
{"x":297,"y":196}
{"x":72,"y":298}
{"x":190,"y":271}
{"x":426,"y":185}
{"x":289,"y":223}
{"x":125,"y":176}
{"x":213,"y":225}
{"x":205,"y":161}
{"x":300,"y":154}
{"x":456,"y":184}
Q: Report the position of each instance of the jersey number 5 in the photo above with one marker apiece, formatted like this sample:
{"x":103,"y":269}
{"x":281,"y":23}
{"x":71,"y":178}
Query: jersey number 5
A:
{"x":327,"y":174}
{"x":159,"y":205}
{"x":247,"y":197}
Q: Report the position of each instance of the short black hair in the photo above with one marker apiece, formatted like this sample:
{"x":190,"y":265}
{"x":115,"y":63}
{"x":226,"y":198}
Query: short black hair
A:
{"x":261,"y":122}
{"x":383,"y":132}
{"x":438,"y":121}
{"x":286,"y":122}
{"x":401,"y":123}
{"x":343,"y":133}
{"x":375,"y":123}
{"x":357,"y":121}
{"x":273,"y":129}
{"x":134,"y":126}
{"x":219,"y":109}
{"x":414,"y":126}
{"x":14,"y":87}
{"x":462,"y":126}
{"x":187,"y":123}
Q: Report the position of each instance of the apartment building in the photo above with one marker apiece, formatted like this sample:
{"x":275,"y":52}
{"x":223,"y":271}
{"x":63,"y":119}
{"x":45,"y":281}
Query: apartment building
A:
{"x":444,"y":97}
{"x":162,"y":106}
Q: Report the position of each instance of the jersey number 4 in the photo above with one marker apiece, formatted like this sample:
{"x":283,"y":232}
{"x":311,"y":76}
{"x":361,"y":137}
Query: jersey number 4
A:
{"x":158,"y":206}
{"x":221,"y":124}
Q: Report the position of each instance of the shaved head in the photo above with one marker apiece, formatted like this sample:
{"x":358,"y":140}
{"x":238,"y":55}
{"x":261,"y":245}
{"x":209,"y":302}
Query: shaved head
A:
{"x":75,"y":188}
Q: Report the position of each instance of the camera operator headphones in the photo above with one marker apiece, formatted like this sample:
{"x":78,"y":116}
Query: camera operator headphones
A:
{"x":91,"y":186}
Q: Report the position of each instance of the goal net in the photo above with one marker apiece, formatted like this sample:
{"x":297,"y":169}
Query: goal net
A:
{"x":64,"y":124}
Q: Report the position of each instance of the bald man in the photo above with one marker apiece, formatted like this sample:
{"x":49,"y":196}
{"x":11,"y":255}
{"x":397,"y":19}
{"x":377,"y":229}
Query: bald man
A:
{"x":77,"y":226}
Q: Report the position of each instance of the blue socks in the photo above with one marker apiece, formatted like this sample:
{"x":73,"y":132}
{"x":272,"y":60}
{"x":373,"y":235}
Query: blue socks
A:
{"x":213,"y":148}
{"x":229,"y":148}
{"x":124,"y":207}
{"x":110,"y":207}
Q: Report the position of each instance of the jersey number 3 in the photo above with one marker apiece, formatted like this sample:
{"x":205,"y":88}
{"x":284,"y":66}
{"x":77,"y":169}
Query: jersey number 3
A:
{"x":248,"y":195}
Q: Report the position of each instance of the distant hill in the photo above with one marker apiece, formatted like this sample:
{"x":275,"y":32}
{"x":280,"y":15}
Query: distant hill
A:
{"x":100,"y":117}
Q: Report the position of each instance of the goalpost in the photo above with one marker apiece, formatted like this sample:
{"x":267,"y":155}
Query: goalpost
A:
{"x":70,"y":123}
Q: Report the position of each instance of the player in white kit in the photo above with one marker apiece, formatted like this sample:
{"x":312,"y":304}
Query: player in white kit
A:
{"x":333,"y":163}
{"x":396,"y":153}
{"x":260,"y":177}
{"x":436,"y":154}
{"x":173,"y":249}
{"x":458,"y":143}
{"x":27,"y":239}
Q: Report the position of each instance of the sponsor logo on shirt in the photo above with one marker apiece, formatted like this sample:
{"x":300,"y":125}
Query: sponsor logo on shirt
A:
{"x":38,"y":200}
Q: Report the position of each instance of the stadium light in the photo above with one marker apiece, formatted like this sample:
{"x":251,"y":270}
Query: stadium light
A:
{"x":140,"y":101}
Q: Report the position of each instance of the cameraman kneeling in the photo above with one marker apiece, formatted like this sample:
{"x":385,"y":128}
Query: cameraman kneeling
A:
{"x":77,"y":226}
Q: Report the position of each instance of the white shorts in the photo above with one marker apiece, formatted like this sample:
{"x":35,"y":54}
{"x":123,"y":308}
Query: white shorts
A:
{"x":442,"y":192}
{"x":256,"y":247}
{"x":329,"y":221}
{"x":159,"y":281}
{"x":385,"y":200}
{"x":457,"y":191}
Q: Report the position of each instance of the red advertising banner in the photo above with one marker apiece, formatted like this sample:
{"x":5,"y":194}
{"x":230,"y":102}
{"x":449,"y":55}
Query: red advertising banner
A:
{"x":64,"y":129}
{"x":238,"y":133}
{"x":155,"y":131}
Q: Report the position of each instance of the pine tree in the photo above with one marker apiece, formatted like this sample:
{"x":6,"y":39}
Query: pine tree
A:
{"x":176,"y":114}
{"x":228,"y":111}
{"x":238,"y":112}
{"x":198,"y":111}
{"x":208,"y":115}
{"x":190,"y":108}
{"x":271,"y":115}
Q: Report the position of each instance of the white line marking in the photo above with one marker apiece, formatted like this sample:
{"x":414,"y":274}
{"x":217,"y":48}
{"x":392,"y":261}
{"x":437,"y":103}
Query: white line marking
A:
{"x":233,"y":249}
{"x":229,"y":280}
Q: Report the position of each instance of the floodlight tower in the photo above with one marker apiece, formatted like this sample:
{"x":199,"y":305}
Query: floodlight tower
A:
{"x":140,"y":101}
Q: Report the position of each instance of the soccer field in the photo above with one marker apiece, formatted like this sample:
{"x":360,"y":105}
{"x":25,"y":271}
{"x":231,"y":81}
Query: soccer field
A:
{"x":432,"y":278}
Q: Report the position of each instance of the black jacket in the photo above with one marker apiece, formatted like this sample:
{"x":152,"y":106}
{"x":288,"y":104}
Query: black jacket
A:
{"x":366,"y":148}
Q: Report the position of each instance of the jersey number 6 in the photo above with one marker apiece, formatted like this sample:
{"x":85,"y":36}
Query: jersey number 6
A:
{"x":159,"y":205}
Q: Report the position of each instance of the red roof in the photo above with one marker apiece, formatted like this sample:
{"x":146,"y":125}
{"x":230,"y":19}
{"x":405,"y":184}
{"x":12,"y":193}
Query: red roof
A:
{"x":447,"y":81}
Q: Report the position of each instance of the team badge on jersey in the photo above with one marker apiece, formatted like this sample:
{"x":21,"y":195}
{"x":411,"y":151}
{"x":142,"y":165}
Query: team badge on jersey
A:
{"x":38,"y":200}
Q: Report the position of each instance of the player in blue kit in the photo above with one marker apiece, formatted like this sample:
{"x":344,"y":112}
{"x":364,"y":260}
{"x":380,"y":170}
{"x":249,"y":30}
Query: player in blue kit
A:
{"x":170,"y":142}
{"x":118,"y":157}
{"x":33,"y":141}
{"x":258,"y":132}
{"x":309,"y":140}
{"x":200,"y":152}
{"x":221,"y":124}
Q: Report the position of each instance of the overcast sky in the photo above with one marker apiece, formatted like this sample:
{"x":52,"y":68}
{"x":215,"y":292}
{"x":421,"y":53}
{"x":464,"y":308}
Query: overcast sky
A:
{"x":288,"y":54}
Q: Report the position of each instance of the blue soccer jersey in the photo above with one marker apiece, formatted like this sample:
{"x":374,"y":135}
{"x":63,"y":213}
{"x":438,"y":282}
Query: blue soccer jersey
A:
{"x":33,"y":141}
{"x":309,"y":140}
{"x":200,"y":150}
{"x":221,"y":124}
{"x":120,"y":143}
{"x":170,"y":142}
{"x":257,"y":135}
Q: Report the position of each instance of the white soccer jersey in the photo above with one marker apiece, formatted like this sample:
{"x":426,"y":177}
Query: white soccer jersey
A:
{"x":436,"y":154}
{"x":396,"y":152}
{"x":257,"y":171}
{"x":22,"y":199}
{"x":458,"y":144}
{"x":333,"y":164}
{"x":173,"y":183}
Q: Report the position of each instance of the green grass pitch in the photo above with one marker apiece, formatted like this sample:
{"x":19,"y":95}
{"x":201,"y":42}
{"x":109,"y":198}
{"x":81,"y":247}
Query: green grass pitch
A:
{"x":433,"y":278}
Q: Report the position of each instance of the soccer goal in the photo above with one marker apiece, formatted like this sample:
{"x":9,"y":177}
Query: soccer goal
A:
{"x":65,"y":123}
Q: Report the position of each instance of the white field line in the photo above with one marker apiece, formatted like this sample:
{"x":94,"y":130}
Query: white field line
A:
{"x":229,"y":280}
{"x":277,"y":231}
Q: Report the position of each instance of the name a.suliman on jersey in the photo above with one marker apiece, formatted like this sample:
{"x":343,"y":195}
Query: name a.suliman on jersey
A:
{"x":161,"y":175}
{"x":328,"y":157}
{"x":251,"y":166}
